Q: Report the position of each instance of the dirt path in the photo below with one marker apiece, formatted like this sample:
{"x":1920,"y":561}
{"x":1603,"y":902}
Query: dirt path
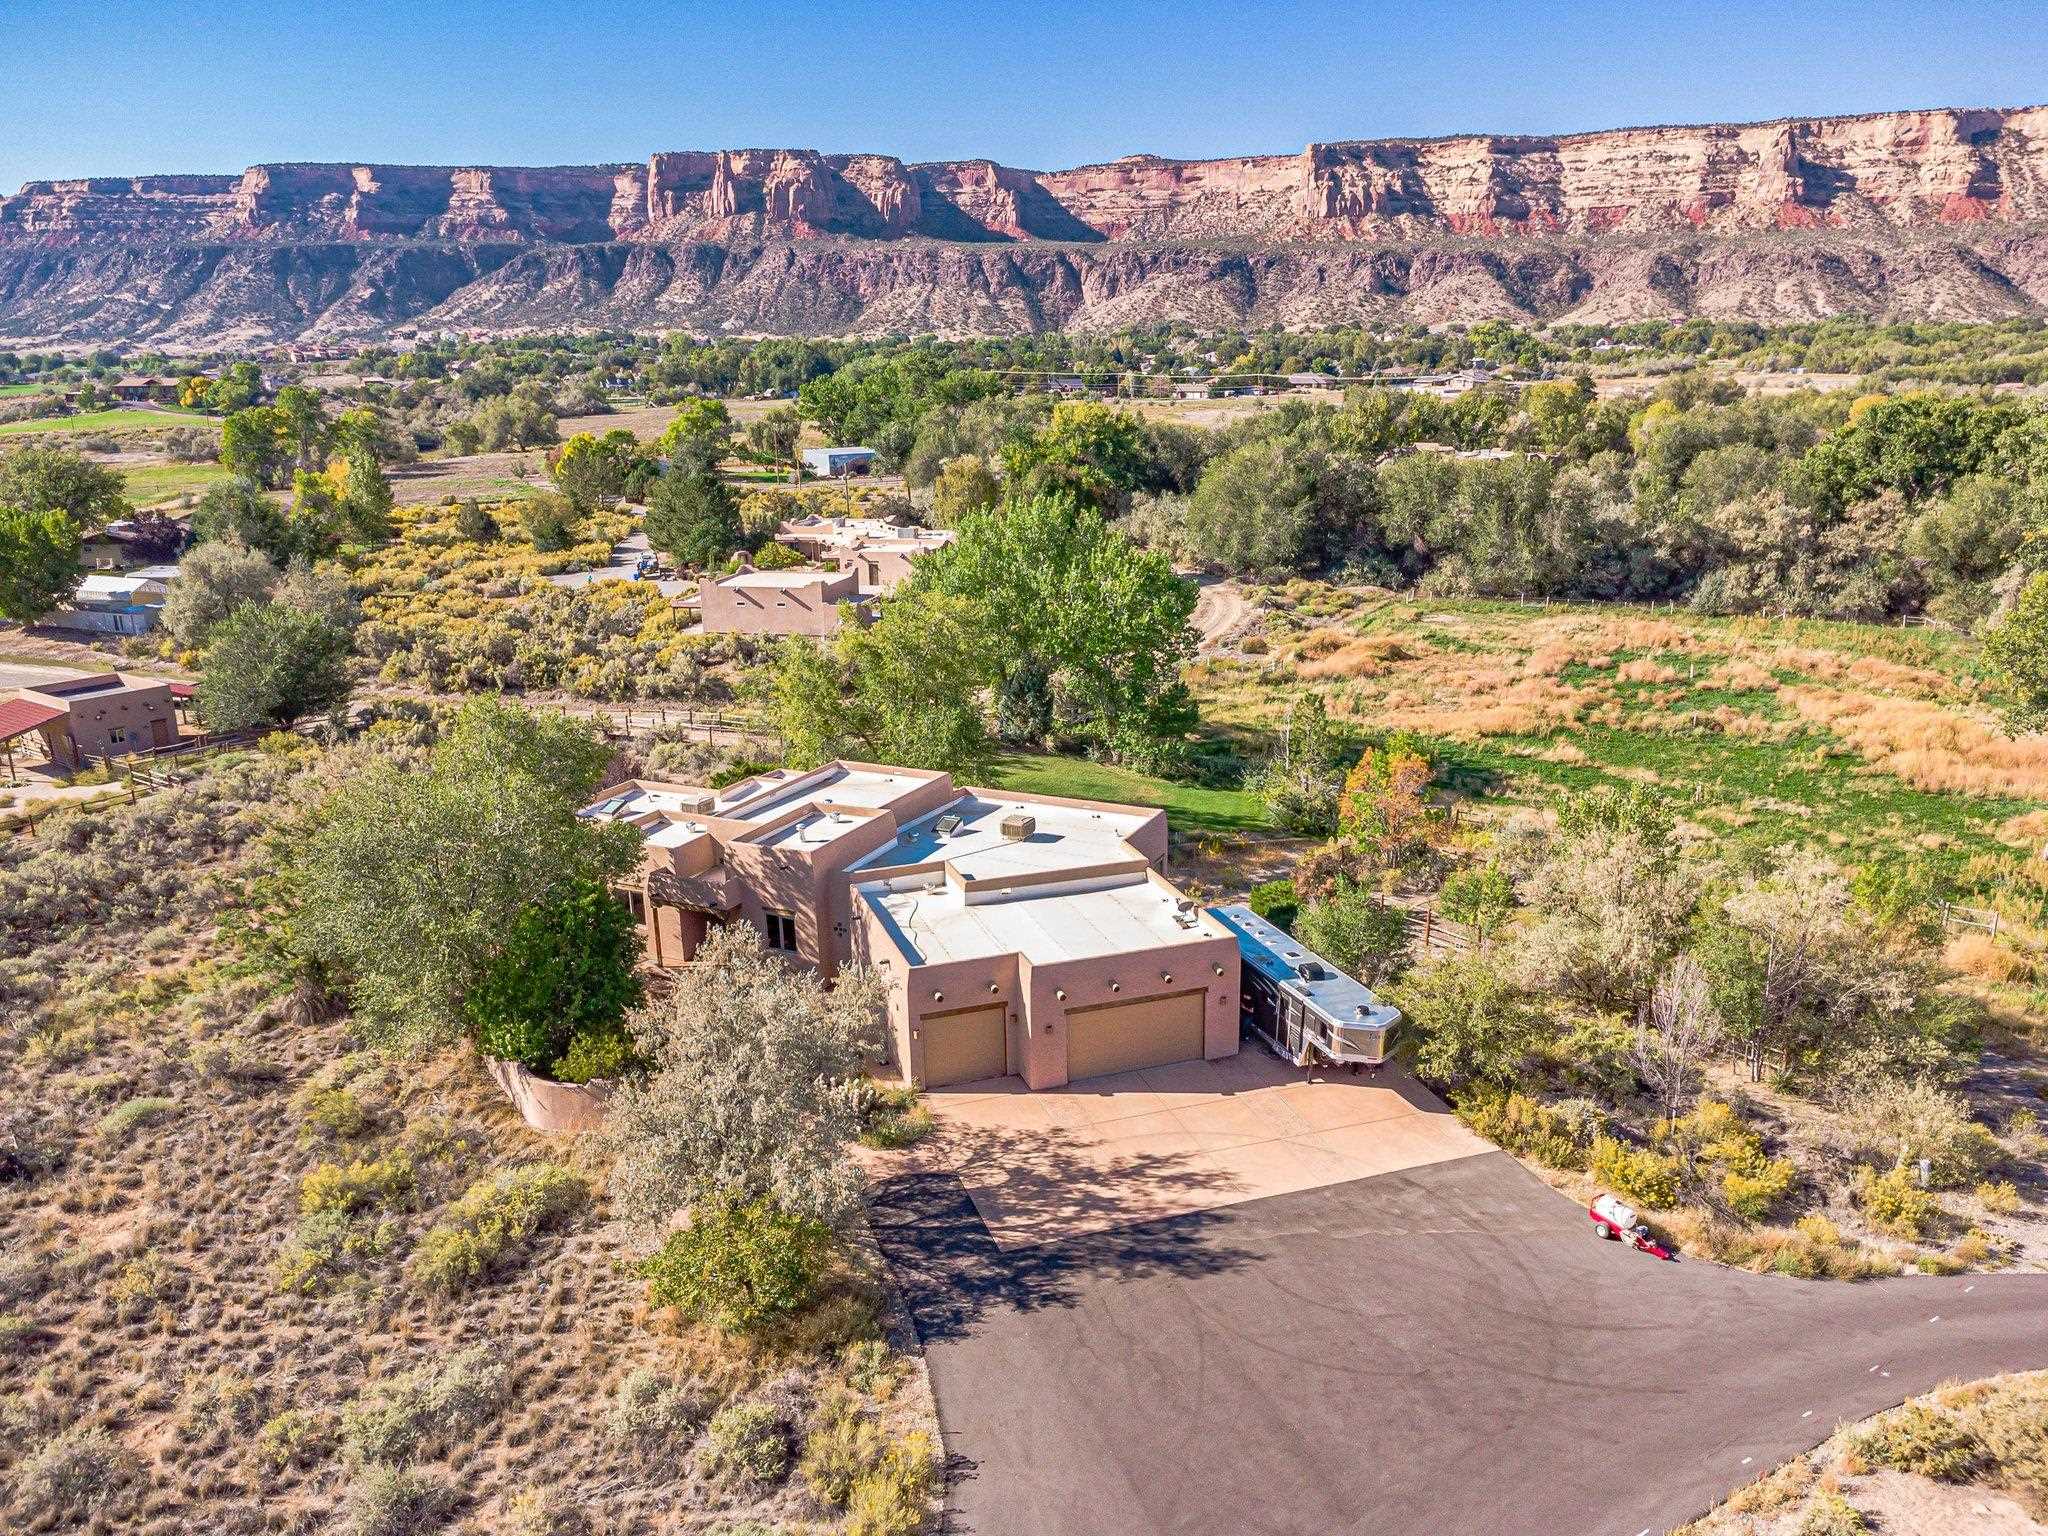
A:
{"x":1222,"y":614}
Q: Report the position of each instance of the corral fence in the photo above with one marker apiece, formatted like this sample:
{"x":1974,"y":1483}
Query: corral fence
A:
{"x":1956,"y":917}
{"x":1429,"y":933}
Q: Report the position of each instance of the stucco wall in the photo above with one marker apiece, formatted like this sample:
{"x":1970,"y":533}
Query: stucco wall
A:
{"x":811,"y":609}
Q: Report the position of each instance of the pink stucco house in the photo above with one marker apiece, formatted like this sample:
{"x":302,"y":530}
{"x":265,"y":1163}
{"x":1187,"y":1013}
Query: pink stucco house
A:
{"x":793,"y":602}
{"x":878,"y":553}
{"x":1023,"y":935}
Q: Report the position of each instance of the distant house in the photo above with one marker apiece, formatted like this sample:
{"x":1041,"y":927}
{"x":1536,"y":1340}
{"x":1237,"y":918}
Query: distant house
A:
{"x":144,"y":389}
{"x":105,"y":714}
{"x":878,"y":553}
{"x":834,"y":462}
{"x":124,"y":543}
{"x":116,"y":604}
{"x":750,"y":602}
{"x":1310,"y":381}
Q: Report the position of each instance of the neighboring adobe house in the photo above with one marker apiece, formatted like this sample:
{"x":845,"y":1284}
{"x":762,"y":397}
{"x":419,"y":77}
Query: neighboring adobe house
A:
{"x":878,"y":553}
{"x":1017,"y":934}
{"x":107,"y":714}
{"x":750,"y":602}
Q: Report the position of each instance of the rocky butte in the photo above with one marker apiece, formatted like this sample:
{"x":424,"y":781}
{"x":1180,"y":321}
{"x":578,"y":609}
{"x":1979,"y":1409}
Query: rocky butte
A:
{"x":1927,"y":215}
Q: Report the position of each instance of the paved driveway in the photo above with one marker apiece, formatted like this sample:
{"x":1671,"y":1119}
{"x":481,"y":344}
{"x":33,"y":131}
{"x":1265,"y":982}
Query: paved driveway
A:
{"x":1443,"y":1350}
{"x":1199,"y":1135}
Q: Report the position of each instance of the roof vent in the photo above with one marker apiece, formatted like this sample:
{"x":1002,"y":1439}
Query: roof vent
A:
{"x":1017,"y":826}
{"x":703,"y":805}
{"x":947,"y":824}
{"x":1310,"y":971}
{"x":1361,"y":1012}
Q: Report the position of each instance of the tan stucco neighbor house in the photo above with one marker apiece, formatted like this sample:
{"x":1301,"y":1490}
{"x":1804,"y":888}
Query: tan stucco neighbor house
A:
{"x":878,"y":553}
{"x":105,"y":714}
{"x":1023,"y":935}
{"x":792,"y":602}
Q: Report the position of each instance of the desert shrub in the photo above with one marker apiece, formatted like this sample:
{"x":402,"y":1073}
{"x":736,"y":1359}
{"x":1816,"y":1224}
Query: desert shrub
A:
{"x":842,"y":1441}
{"x":330,"y":1187}
{"x":2001,"y":1197}
{"x":871,"y":1367}
{"x":550,"y":1511}
{"x":891,"y":1116}
{"x":214,"y":1403}
{"x":1918,"y":1438}
{"x":1893,"y":1121}
{"x":1637,"y":1173}
{"x":72,"y":1475}
{"x":427,"y":1408}
{"x":1831,"y":1515}
{"x":296,"y":1438}
{"x":396,"y":1501}
{"x":892,"y":1497}
{"x":1276,"y":902}
{"x":326,"y":1245}
{"x":740,"y":1265}
{"x":1894,"y":1203}
{"x":493,"y":1222}
{"x":746,"y":1444}
{"x":1753,"y":1192}
{"x":137,"y":1112}
{"x":1524,"y":1126}
{"x":656,"y":1418}
{"x":1939,"y":1264}
{"x":335,"y":1112}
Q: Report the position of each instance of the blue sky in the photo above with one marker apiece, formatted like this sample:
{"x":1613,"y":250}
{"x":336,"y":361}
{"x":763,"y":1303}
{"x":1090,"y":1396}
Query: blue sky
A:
{"x":132,"y":86}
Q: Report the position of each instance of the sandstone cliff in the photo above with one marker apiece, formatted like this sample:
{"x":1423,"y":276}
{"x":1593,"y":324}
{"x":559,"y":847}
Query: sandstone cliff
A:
{"x":1923,"y":214}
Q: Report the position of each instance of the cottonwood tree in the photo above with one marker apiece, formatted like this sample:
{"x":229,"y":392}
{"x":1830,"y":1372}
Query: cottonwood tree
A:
{"x":213,"y":581}
{"x":267,"y":665}
{"x":39,"y":562}
{"x":1677,"y":1034}
{"x":58,"y":480}
{"x":411,"y":875}
{"x":751,"y":1096}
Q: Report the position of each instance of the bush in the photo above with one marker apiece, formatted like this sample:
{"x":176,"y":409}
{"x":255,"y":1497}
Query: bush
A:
{"x":124,"y":1118}
{"x":1523,"y":1126}
{"x":739,"y":1266}
{"x":1355,"y":931}
{"x":395,"y":1501}
{"x":892,"y":1498}
{"x":330,"y":1187}
{"x":335,"y":1113}
{"x":493,"y":1222}
{"x":1754,"y":1191}
{"x":1903,"y":1122}
{"x":429,"y":1407}
{"x":892,"y":1117}
{"x":546,"y":1512}
{"x":746,"y":1444}
{"x":69,"y":1477}
{"x":1894,"y":1203}
{"x":843,"y":1442}
{"x":1831,"y":1515}
{"x":1276,"y":902}
{"x":595,"y":1054}
{"x":2001,"y":1198}
{"x":1638,"y":1174}
{"x":1918,"y":1438}
{"x":295,"y":1438}
{"x":327,"y":1243}
{"x":27,"y":1149}
{"x":565,"y":969}
{"x":656,"y":1418}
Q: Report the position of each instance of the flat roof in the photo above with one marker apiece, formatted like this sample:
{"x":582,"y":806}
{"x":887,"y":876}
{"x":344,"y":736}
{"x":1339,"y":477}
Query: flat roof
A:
{"x":768,"y":795}
{"x":640,"y":799}
{"x":777,"y":578}
{"x":1066,"y":837}
{"x":1045,"y":924}
{"x":1289,"y":964}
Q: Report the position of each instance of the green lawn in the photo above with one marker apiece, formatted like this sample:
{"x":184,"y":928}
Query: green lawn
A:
{"x":117,"y":420}
{"x":14,"y":391}
{"x":153,"y":483}
{"x":1188,"y":806}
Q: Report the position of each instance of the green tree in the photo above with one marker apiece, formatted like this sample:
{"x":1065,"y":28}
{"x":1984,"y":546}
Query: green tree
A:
{"x":237,"y":510}
{"x":409,"y":878}
{"x":775,"y":435}
{"x":366,"y":498}
{"x":237,"y":388}
{"x":591,"y":470}
{"x":58,"y":480}
{"x":549,"y":521}
{"x":1466,"y":1022}
{"x":1356,"y":931}
{"x":473,"y":523}
{"x":1479,"y":898}
{"x":739,"y":1265}
{"x":262,"y":444}
{"x":302,"y":423}
{"x":266,"y":665}
{"x":1087,"y":451}
{"x":2017,"y":650}
{"x":966,"y":485}
{"x":566,"y":970}
{"x":39,"y":562}
{"x":698,"y":439}
{"x":1281,"y":506}
{"x":213,"y":581}
{"x":692,"y":518}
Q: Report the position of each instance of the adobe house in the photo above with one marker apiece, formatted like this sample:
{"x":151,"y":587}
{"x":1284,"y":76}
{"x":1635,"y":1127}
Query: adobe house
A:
{"x":750,"y":602}
{"x":1024,"y":935}
{"x":106,"y":714}
{"x":877,"y":552}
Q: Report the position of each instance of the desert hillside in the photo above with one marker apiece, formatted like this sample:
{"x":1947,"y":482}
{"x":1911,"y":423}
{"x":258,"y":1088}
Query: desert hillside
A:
{"x":1933,"y":214}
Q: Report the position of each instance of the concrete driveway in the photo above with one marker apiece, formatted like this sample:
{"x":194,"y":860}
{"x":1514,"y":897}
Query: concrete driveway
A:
{"x":1441,"y":1350}
{"x":1140,"y":1146}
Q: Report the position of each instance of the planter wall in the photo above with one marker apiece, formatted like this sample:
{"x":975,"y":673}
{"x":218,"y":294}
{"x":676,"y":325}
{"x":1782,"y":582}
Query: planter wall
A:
{"x":558,"y":1108}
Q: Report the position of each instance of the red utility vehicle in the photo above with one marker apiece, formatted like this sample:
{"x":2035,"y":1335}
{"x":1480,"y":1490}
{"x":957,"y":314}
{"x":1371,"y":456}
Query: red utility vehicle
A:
{"x":1616,"y":1219}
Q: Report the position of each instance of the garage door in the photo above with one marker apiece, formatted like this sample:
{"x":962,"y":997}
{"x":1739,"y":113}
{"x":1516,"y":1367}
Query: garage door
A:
{"x":962,"y":1047}
{"x":1125,"y":1036}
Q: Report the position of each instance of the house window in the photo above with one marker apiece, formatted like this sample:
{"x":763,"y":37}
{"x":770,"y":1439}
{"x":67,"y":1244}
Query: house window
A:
{"x":781,"y":930}
{"x":637,"y":905}
{"x":118,"y":736}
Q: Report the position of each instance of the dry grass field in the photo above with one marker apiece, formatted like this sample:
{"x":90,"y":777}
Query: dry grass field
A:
{"x":254,"y":1279}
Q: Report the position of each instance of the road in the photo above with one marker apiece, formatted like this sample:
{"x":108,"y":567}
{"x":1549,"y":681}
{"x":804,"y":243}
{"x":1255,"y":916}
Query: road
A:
{"x":1440,"y":1351}
{"x":1222,"y":613}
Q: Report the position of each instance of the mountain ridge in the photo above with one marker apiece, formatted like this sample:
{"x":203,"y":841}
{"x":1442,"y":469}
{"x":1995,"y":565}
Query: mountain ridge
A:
{"x":1937,"y":213}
